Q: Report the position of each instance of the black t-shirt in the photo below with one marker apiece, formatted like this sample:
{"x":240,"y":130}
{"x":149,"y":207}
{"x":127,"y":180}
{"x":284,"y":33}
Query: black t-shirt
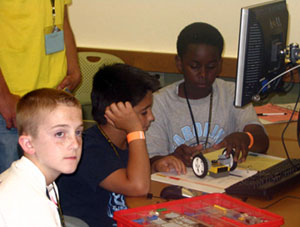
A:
{"x":80,"y":193}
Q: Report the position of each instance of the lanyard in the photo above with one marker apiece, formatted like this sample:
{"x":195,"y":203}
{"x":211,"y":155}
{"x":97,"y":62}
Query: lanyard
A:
{"x":109,"y":141}
{"x":192,"y":115}
{"x":57,"y":203}
{"x":53,"y":11}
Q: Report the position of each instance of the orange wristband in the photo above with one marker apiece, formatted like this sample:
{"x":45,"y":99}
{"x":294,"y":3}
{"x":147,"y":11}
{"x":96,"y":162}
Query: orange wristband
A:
{"x":251,"y":140}
{"x":137,"y":135}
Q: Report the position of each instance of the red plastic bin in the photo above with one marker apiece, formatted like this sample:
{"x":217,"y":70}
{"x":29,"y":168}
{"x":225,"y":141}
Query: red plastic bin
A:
{"x":217,"y":210}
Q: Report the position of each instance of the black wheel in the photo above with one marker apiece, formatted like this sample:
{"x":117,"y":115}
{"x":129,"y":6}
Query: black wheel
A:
{"x":200,"y":165}
{"x":232,"y":163}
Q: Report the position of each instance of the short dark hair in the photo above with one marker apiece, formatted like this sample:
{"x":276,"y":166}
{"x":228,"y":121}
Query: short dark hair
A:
{"x":119,"y":83}
{"x":199,"y":33}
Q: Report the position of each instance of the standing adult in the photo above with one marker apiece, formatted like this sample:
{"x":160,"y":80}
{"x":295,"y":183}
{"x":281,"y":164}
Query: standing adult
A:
{"x":37,"y":49}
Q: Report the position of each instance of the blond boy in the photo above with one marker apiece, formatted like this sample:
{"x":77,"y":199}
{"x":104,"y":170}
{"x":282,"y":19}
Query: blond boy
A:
{"x":50,"y":129}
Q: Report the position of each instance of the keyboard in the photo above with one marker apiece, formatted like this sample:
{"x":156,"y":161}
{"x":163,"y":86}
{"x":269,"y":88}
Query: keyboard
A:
{"x":266,"y":182}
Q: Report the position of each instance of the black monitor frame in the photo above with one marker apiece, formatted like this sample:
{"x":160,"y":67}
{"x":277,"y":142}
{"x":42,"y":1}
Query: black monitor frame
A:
{"x":262,"y":41}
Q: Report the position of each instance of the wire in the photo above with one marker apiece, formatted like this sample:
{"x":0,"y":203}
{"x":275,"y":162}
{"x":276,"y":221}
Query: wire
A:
{"x":151,"y":196}
{"x":257,"y":97}
{"x":275,"y":78}
{"x":291,"y":82}
{"x":277,"y":201}
{"x":289,"y":121}
{"x":283,"y":132}
{"x":298,"y":120}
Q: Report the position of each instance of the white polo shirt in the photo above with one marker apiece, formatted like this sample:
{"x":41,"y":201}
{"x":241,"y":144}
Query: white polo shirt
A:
{"x":23,"y":199}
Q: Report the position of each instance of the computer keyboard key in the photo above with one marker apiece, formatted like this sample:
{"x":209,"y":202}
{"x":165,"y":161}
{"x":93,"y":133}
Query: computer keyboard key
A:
{"x":268,"y":181}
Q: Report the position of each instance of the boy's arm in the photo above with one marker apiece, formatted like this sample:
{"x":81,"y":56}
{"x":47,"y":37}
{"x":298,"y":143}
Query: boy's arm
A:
{"x":260,"y":138}
{"x":8,"y":103}
{"x":240,"y":141}
{"x":73,"y":77}
{"x":135,"y":179}
{"x":178,"y":160}
{"x":167,"y":164}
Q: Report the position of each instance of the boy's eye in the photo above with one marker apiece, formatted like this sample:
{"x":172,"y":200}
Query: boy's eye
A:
{"x":146,"y":111}
{"x":78,"y":133}
{"x":59,"y":134}
{"x":212,"y":66}
{"x":194,"y":66}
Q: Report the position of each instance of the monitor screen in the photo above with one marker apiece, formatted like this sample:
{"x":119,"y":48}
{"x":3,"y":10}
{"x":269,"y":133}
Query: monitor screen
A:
{"x":262,"y":39}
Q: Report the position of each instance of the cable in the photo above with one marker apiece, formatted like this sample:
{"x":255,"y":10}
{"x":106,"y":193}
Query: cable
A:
{"x":289,"y":121}
{"x":151,"y":196}
{"x":288,"y":85}
{"x":257,"y":96}
{"x":277,"y":201}
{"x":298,"y":121}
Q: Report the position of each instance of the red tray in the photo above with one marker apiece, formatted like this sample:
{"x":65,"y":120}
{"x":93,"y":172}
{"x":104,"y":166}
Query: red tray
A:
{"x":218,"y":210}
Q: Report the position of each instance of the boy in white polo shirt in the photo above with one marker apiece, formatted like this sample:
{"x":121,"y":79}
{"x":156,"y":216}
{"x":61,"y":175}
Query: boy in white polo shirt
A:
{"x":50,"y":129}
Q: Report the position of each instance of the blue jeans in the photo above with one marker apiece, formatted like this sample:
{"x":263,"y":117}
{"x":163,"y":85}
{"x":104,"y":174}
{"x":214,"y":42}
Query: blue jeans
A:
{"x":8,"y":145}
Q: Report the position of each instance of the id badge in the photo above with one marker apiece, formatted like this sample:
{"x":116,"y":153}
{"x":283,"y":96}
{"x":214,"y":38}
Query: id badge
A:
{"x":54,"y":40}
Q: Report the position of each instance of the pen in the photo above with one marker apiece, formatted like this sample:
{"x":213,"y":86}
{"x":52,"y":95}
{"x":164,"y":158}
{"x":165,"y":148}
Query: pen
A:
{"x":271,"y":114}
{"x":235,"y":175}
{"x":174,"y":178}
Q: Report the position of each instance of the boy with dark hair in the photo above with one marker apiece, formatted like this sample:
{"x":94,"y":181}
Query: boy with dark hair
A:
{"x":115,"y":161}
{"x":49,"y":123}
{"x":198,"y":113}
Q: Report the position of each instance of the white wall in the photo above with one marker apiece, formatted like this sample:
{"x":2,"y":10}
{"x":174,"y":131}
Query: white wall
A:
{"x":153,"y":25}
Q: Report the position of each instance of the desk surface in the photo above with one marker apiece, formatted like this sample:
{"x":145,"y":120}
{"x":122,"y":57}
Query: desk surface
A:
{"x":288,"y":207}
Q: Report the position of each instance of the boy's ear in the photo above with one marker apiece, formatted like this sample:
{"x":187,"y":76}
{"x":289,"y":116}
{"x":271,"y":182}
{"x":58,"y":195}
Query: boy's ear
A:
{"x":178,"y":63}
{"x":25,"y":142}
{"x":220,"y":66}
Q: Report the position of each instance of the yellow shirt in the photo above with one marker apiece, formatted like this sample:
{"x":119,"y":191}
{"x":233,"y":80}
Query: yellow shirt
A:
{"x":23,"y":61}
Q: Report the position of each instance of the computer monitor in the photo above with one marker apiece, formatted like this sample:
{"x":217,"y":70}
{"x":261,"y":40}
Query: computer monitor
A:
{"x":262,"y":40}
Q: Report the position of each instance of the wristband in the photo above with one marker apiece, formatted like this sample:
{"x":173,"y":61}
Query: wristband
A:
{"x":137,"y":135}
{"x":251,"y":140}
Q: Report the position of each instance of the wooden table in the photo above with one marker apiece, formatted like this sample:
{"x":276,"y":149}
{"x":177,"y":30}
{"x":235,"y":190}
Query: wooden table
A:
{"x":288,"y":207}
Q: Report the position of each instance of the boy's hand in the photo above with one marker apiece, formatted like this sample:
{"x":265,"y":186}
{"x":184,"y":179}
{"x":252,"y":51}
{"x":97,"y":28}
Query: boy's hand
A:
{"x":237,"y":140}
{"x":168,"y":163}
{"x":185,"y":153}
{"x":70,"y":82}
{"x":8,"y":109}
{"x":122,"y":116}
